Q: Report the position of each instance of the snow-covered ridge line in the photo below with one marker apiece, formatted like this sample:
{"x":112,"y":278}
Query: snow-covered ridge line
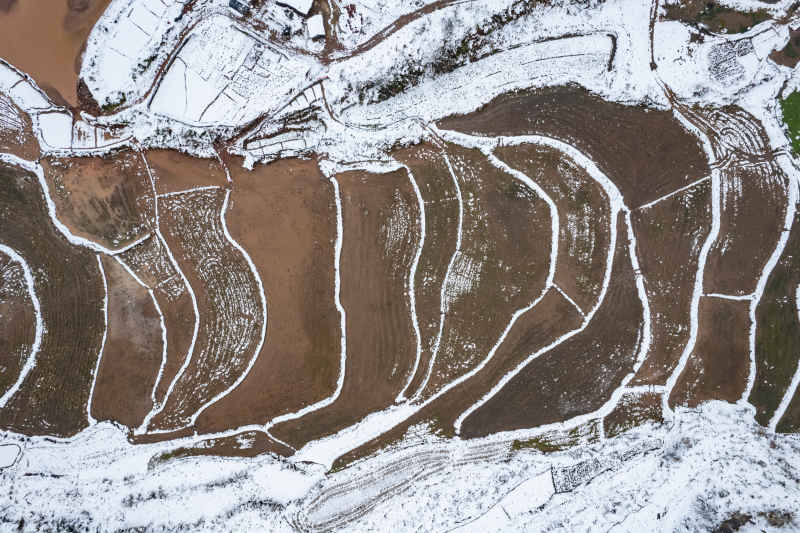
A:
{"x":30,"y":362}
{"x":673,"y":193}
{"x":188,"y":191}
{"x":412,"y":287}
{"x":743,"y":297}
{"x":262,"y":295}
{"x":102,"y":343}
{"x":342,"y":319}
{"x":570,"y":300}
{"x":445,"y":281}
{"x":694,"y":309}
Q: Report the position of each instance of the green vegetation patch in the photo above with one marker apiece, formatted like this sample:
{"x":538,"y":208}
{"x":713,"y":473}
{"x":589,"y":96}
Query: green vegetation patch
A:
{"x":790,"y":108}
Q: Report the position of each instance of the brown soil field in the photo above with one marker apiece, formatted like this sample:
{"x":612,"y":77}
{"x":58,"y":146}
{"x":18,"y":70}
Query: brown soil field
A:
{"x":284,"y":215}
{"x":245,"y":444}
{"x":790,"y":421}
{"x":175,"y":171}
{"x":720,"y":362}
{"x":714,"y":17}
{"x":578,"y":375}
{"x":132,"y":353}
{"x":669,"y":237}
{"x":429,"y":168}
{"x":53,"y":399}
{"x":583,"y":212}
{"x":789,"y":55}
{"x":631,"y":410}
{"x":53,"y":59}
{"x":16,"y":131}
{"x":108,"y":199}
{"x":752,"y":184}
{"x":645,"y":152}
{"x":149,"y":261}
{"x":228,"y":300}
{"x":381,"y":235}
{"x":17,"y":321}
{"x":777,"y":331}
{"x":501,"y":267}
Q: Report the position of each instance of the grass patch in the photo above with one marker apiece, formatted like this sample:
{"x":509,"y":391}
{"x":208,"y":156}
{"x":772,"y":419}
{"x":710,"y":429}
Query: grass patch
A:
{"x":790,"y":109}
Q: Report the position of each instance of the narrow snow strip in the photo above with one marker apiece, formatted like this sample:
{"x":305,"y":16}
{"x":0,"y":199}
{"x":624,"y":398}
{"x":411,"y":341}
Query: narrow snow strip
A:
{"x":792,"y":389}
{"x":443,"y":291}
{"x":342,"y":319}
{"x":263,"y":297}
{"x":570,"y":300}
{"x":135,"y":243}
{"x":673,"y":193}
{"x":791,"y":207}
{"x":102,"y":343}
{"x":701,"y":263}
{"x":30,"y":362}
{"x":411,"y":285}
{"x":555,"y":225}
{"x":744,"y":297}
{"x":187,"y":191}
{"x":36,"y":168}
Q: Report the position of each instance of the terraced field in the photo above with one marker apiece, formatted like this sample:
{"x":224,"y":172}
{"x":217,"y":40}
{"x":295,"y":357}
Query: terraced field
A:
{"x":247,"y":248}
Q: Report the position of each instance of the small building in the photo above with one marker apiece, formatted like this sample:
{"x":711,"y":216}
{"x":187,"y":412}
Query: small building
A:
{"x":241,"y":6}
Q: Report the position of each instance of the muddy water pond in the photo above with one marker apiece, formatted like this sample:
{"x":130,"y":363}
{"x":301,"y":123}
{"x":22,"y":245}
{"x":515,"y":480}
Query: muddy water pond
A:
{"x":45,"y":38}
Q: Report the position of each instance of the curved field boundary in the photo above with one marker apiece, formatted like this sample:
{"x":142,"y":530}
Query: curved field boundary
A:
{"x":30,"y":362}
{"x":701,"y":260}
{"x":102,"y":343}
{"x":412,"y":286}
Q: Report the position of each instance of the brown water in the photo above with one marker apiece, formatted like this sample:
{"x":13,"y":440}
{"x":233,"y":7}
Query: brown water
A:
{"x":45,"y":38}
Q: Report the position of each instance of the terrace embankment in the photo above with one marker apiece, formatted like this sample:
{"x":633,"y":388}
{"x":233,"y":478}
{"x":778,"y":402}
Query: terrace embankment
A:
{"x":132,"y":353}
{"x":150,"y":262}
{"x":53,"y":398}
{"x":17,"y":321}
{"x":501,"y":267}
{"x":720,"y":363}
{"x":584,"y":218}
{"x":645,"y":152}
{"x":108,"y":199}
{"x":244,"y":444}
{"x":175,"y":171}
{"x":669,"y":236}
{"x":229,"y":301}
{"x":380,"y":239}
{"x":284,"y":215}
{"x":777,"y":331}
{"x":439,"y":192}
{"x":16,"y":131}
{"x":54,"y":60}
{"x":578,"y":375}
{"x":752,"y":184}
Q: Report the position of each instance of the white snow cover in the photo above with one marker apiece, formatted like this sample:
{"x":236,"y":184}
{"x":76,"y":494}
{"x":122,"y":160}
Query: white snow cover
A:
{"x":8,"y":454}
{"x":316,"y":27}
{"x":301,"y":6}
